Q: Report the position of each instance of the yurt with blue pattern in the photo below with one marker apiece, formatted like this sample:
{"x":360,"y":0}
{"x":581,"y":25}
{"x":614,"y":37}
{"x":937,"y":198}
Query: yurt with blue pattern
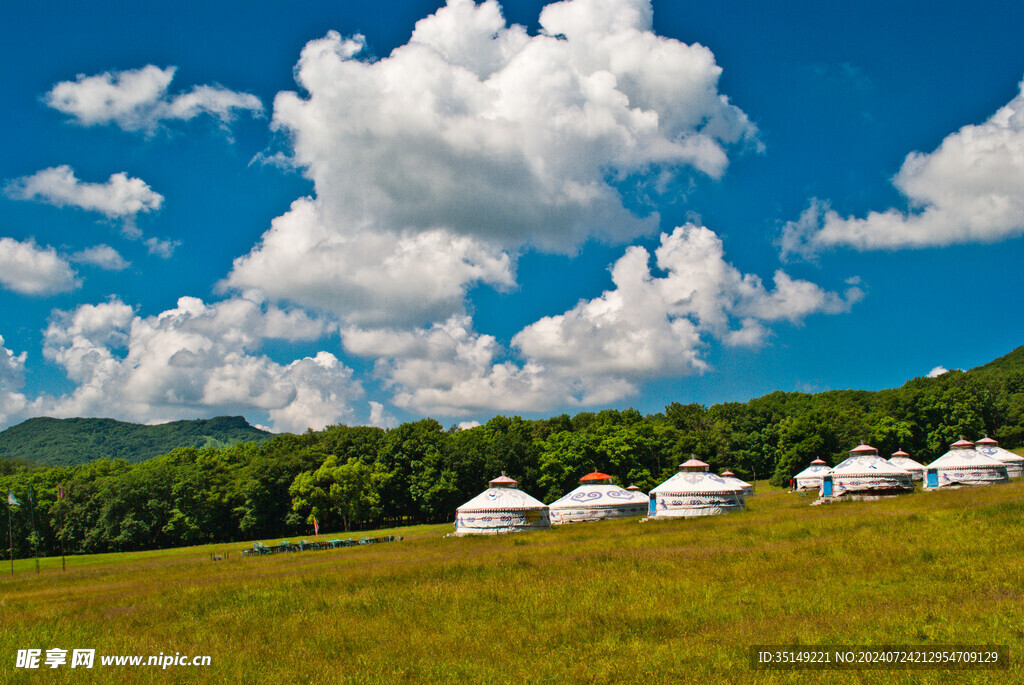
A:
{"x":865,"y":473}
{"x":963,"y":466}
{"x":810,"y":478}
{"x":501,"y":508}
{"x":730,"y":477}
{"x":990,"y":448}
{"x":596,"y":498}
{"x":902,"y":460}
{"x":694,"y":492}
{"x":638,"y":494}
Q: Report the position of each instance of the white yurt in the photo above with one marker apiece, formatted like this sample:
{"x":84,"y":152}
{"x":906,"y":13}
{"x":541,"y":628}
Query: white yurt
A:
{"x":730,"y":477}
{"x":595,"y":499}
{"x":990,"y":448}
{"x":638,"y":495}
{"x":694,"y":492}
{"x":810,"y":478}
{"x":501,"y":508}
{"x":901,"y":459}
{"x":865,"y":474}
{"x":963,"y":465}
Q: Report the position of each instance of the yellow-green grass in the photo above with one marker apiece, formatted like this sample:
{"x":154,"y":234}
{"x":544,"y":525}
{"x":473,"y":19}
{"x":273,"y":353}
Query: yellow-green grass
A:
{"x":616,"y":601}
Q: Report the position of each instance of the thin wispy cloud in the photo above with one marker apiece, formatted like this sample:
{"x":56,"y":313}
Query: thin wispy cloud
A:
{"x":103,"y":257}
{"x":139,"y":100}
{"x":121,"y":197}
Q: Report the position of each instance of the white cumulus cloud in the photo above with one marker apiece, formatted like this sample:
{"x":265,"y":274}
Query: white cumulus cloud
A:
{"x":478,"y":127}
{"x":450,"y":370}
{"x":195,"y":359}
{"x":138,"y":99}
{"x":162,"y":247}
{"x":649,"y":326}
{"x":121,"y":197}
{"x":380,"y":417}
{"x":12,"y":377}
{"x":32,"y":270}
{"x":434,"y":165}
{"x":366,"y":276}
{"x":598,"y":352}
{"x":968,"y":190}
{"x":102,"y":256}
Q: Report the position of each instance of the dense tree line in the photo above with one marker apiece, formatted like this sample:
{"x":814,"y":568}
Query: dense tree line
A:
{"x":357,"y":477}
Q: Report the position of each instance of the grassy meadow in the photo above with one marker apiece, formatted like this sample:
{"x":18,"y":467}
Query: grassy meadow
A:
{"x":609,"y":602}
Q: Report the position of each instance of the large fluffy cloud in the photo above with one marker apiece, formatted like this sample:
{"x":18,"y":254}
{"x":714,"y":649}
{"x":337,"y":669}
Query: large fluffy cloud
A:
{"x":970,"y":189}
{"x":32,"y":270}
{"x":598,"y":352}
{"x":120,"y":198}
{"x":195,"y":359}
{"x":474,"y":138}
{"x":137,"y":99}
{"x":650,"y":326}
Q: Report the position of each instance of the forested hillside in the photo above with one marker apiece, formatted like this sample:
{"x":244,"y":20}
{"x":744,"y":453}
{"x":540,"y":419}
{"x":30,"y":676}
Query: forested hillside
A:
{"x":66,"y":442}
{"x":352,"y":477}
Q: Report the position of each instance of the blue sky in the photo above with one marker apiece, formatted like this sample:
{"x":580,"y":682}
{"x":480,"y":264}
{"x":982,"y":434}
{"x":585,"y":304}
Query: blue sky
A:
{"x":309,"y":214}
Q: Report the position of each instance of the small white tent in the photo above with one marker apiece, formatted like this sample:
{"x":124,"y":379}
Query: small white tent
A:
{"x":638,"y":495}
{"x":902,"y":460}
{"x":810,"y":478}
{"x":694,"y":492}
{"x":747,"y":488}
{"x":865,"y":474}
{"x":990,"y":448}
{"x":501,"y":508}
{"x":963,"y":465}
{"x":595,"y":499}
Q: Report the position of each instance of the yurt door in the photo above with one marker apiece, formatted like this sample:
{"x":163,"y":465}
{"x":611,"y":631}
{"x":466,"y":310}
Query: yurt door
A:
{"x":654,"y":506}
{"x":933,"y":478}
{"x":826,"y":486}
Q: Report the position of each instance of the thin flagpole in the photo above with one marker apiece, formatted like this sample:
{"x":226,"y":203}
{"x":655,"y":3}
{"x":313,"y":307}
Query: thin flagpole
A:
{"x":60,"y":496}
{"x":35,"y":535}
{"x":10,"y":533}
{"x":63,"y":566}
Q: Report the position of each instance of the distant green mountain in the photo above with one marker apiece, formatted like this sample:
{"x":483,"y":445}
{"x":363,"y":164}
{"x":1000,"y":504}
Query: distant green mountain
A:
{"x":66,"y":442}
{"x":1008,"y":363}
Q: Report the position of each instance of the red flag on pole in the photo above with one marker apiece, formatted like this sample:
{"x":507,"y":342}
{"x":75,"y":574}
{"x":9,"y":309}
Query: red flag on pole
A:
{"x":316,"y":527}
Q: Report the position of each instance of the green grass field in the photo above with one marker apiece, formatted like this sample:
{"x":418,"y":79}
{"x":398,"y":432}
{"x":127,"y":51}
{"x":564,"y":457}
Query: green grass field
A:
{"x":609,"y":602}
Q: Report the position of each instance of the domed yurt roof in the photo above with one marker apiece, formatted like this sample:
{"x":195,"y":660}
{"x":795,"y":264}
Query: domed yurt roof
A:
{"x":694,"y":464}
{"x":747,"y":488}
{"x":964,"y":465}
{"x":810,"y":478}
{"x":990,"y":448}
{"x":695,"y":492}
{"x":595,"y":499}
{"x":901,"y":459}
{"x":501,"y":508}
{"x":864,"y":472}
